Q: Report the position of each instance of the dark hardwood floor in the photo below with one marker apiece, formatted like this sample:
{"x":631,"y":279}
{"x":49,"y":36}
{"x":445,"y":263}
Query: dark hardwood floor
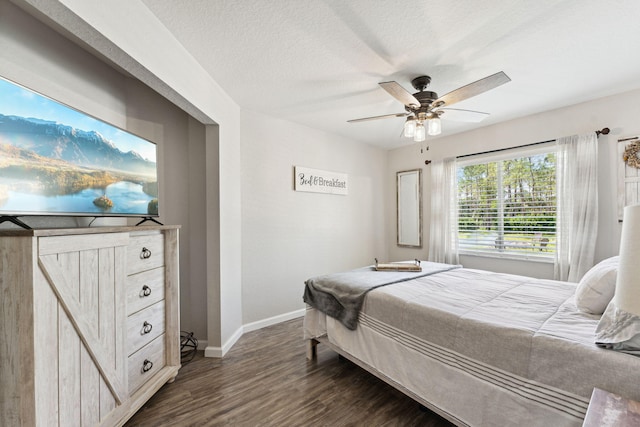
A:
{"x":265,"y":380}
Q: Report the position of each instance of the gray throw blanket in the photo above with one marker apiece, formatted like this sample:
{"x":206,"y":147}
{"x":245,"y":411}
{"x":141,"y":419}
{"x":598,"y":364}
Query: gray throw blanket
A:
{"x":341,"y":295}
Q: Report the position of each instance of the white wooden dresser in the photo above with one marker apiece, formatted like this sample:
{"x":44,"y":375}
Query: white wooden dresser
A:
{"x":89,"y":323}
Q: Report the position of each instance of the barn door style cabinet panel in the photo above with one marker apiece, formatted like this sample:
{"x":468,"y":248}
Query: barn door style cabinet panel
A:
{"x":89,"y":323}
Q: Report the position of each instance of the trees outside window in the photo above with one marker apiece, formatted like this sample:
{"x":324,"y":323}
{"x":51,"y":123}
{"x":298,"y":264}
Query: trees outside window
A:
{"x":507,"y":207}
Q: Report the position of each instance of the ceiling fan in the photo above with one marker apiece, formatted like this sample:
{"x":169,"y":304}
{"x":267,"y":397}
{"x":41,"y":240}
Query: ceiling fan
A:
{"x":424,"y":106}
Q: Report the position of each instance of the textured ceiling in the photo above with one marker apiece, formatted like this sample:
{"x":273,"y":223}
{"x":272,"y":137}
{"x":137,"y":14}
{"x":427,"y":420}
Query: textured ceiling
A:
{"x":318,"y":62}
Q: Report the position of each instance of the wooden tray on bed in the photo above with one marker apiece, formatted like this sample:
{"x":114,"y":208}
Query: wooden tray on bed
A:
{"x":398,"y":266}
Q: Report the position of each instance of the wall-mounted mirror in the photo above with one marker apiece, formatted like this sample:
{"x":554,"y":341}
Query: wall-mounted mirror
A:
{"x":409,"y":208}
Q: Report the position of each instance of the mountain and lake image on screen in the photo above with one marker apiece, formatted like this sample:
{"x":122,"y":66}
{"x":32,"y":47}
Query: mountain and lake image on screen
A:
{"x":57,"y":160}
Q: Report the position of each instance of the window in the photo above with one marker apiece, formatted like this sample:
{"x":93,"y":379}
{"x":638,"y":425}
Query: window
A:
{"x":507,"y":206}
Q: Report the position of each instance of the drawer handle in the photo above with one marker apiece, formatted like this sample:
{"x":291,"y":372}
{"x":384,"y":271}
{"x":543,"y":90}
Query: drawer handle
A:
{"x":147,"y":365}
{"x":146,"y":327}
{"x":145,"y":254}
{"x":146,"y":291}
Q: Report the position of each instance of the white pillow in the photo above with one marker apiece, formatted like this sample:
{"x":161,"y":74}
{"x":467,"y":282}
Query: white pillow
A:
{"x":596,"y":288}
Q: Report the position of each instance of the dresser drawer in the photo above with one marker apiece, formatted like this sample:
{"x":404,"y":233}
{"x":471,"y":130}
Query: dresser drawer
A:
{"x":144,"y":364}
{"x":144,"y":326}
{"x":145,"y":252}
{"x":144,"y":289}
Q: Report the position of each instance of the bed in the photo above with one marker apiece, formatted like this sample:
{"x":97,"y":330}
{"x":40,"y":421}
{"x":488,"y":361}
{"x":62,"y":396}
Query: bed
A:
{"x":478,"y":348}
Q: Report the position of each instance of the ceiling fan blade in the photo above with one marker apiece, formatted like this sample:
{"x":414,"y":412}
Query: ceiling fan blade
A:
{"x":473,"y":89}
{"x":386,"y":116}
{"x":400,"y":93}
{"x":459,"y":115}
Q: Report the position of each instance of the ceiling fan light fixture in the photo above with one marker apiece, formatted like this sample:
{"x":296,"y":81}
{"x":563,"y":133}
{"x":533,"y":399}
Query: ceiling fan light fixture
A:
{"x":410,"y":127}
{"x":434,"y":126}
{"x":420,"y":134}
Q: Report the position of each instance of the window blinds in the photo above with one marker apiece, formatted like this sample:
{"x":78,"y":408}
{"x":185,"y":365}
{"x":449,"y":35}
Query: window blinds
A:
{"x":507,"y":204}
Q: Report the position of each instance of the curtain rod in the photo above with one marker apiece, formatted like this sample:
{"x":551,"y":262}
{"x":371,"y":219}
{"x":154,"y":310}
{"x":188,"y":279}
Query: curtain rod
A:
{"x":604,"y":131}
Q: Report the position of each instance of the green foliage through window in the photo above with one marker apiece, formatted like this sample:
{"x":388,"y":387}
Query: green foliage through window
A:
{"x":508,"y":206}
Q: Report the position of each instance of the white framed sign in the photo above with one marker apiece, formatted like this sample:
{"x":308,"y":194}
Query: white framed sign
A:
{"x":319,"y":181}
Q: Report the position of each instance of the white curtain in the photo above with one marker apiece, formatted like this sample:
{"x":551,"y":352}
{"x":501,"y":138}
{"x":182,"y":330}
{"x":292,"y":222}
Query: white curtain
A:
{"x":577,"y":204}
{"x":443,"y":232}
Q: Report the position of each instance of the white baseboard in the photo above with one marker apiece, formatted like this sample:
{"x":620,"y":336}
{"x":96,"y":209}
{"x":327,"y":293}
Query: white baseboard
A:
{"x":273,"y":320}
{"x":215,"y":352}
{"x":219,"y":352}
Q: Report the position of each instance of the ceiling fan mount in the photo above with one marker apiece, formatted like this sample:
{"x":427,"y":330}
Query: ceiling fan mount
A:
{"x":426,"y":97}
{"x":420,"y":83}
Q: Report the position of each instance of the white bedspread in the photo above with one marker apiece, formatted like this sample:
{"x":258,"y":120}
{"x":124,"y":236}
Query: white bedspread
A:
{"x":341,"y":295}
{"x":492,"y":339}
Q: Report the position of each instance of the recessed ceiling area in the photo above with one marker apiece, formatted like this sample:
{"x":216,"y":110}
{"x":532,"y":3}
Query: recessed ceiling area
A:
{"x":319,"y":62}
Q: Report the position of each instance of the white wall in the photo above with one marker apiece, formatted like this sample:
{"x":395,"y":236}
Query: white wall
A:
{"x":410,"y":156}
{"x":193,"y":296}
{"x":289,"y":236}
{"x":619,"y":113}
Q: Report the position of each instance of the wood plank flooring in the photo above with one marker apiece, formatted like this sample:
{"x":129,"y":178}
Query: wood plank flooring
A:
{"x":265,"y":380}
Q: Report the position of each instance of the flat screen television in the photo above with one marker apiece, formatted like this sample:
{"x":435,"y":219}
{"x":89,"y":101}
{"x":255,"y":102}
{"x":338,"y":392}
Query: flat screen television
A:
{"x":56,"y":160}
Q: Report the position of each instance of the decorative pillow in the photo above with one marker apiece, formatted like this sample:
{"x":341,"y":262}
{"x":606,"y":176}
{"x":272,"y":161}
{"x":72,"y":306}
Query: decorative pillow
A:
{"x":596,"y":288}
